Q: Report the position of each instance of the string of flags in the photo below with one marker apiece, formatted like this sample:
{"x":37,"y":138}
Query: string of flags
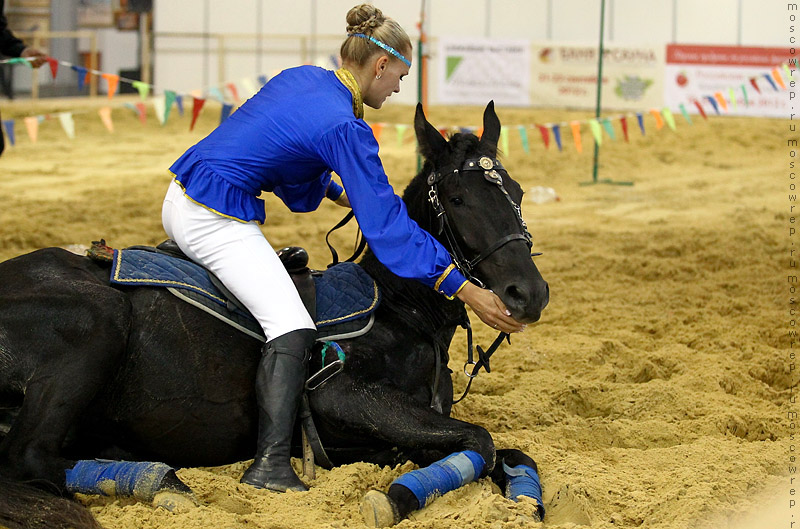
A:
{"x":228,"y":95}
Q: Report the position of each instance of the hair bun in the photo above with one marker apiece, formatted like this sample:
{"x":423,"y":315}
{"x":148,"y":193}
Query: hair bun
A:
{"x":364,"y":19}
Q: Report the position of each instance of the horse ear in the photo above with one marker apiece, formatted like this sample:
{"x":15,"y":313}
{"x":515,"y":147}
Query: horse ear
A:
{"x":429,"y":139}
{"x":491,"y":128}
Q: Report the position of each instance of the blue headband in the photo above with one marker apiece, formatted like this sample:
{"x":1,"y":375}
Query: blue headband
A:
{"x":382,"y":45}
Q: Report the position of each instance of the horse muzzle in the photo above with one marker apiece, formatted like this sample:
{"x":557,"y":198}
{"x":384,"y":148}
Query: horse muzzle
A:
{"x":526,"y":302}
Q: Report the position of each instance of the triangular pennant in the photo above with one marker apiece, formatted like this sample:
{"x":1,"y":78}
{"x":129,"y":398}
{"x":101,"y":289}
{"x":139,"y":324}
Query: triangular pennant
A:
{"x":67,"y":123}
{"x":685,"y":114}
{"x":8,"y":125}
{"x":776,"y":74}
{"x":657,"y":115}
{"x":744,"y":94}
{"x":32,"y":124}
{"x":668,"y":117}
{"x":262,"y":79}
{"x":400,"y":129}
{"x":216,"y":93}
{"x":594,"y":126}
{"x":443,"y":132}
{"x":732,"y":97}
{"x":770,"y":81}
{"x":576,"y":135}
{"x":53,"y":66}
{"x":226,"y":112}
{"x":179,"y":103}
{"x":234,"y":92}
{"x":755,"y":85}
{"x":249,"y":87}
{"x":623,"y":121}
{"x":544,"y":131}
{"x":523,"y":136}
{"x":105,"y":117}
{"x":713,"y":103}
{"x":143,"y":89}
{"x":377,"y":130}
{"x":557,"y":135}
{"x":609,"y":129}
{"x":787,"y":71}
{"x":479,"y":132}
{"x":18,"y":60}
{"x":700,"y":109}
{"x":169,"y":99}
{"x":141,"y":110}
{"x":640,"y":120}
{"x":721,"y":101}
{"x":159,"y":105}
{"x":81,"y":75}
{"x":504,"y":140}
{"x":197,"y":106}
{"x":113,"y":81}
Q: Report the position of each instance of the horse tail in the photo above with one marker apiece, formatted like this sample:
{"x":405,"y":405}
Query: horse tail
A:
{"x":24,"y":506}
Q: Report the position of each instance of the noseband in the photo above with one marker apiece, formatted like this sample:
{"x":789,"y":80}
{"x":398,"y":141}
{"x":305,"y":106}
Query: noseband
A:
{"x":490,"y":167}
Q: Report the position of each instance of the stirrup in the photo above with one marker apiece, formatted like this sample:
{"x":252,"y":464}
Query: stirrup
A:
{"x":319,"y":378}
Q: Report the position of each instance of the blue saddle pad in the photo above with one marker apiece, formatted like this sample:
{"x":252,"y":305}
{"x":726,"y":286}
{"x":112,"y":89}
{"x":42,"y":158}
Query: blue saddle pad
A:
{"x":345,"y":292}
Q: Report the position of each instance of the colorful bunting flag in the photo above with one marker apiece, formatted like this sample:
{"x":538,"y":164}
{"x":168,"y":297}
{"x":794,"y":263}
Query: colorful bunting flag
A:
{"x":755,"y":85}
{"x":67,"y":123}
{"x":179,"y":103}
{"x":169,"y":98}
{"x":401,"y":131}
{"x":105,"y":117}
{"x":594,"y":126}
{"x":141,"y":110}
{"x":770,"y":81}
{"x":226,"y":112}
{"x":249,"y":87}
{"x":713,"y":103}
{"x":744,"y":93}
{"x":557,"y":135}
{"x":623,"y":121}
{"x":377,"y":130}
{"x":776,"y":73}
{"x":609,"y":129}
{"x":669,"y":118}
{"x":113,"y":81}
{"x":197,"y":106}
{"x":504,"y":140}
{"x":721,"y":101}
{"x":53,"y":66}
{"x":216,"y":93}
{"x":8,"y":125}
{"x":523,"y":136}
{"x":32,"y":125}
{"x":234,"y":92}
{"x":640,"y":120}
{"x":576,"y":135}
{"x":732,"y":96}
{"x":545,"y":135}
{"x":262,"y":79}
{"x":81,"y":76}
{"x":160,"y":107}
{"x":143,"y":89}
{"x":685,"y":113}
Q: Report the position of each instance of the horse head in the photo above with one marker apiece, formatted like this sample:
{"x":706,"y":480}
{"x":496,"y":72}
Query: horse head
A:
{"x":474,"y":211}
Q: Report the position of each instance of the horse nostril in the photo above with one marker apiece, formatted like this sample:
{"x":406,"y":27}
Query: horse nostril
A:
{"x":517,"y":295}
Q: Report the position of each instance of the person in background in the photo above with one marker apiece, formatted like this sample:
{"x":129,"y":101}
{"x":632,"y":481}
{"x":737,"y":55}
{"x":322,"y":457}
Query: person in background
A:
{"x":303,"y":124}
{"x":11,"y":46}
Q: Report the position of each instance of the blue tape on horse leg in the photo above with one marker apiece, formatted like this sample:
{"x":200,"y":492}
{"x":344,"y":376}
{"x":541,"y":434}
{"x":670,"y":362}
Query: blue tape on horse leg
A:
{"x":450,"y":473}
{"x":116,"y":478}
{"x":523,"y":480}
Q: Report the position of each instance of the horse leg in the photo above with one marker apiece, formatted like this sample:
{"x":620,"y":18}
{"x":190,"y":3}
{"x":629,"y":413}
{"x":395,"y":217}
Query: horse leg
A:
{"x":372,"y":412}
{"x":518,"y":475}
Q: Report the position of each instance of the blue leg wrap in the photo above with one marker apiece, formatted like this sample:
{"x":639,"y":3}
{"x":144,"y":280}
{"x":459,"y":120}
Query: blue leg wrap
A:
{"x":448,"y":474}
{"x":523,"y":480}
{"x":116,"y":478}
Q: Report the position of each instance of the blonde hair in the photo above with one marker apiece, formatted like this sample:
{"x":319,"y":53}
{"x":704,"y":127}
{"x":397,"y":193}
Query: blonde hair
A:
{"x":370,"y":21}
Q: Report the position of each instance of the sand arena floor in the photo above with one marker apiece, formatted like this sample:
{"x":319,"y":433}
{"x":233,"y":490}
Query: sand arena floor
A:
{"x":654,"y":392}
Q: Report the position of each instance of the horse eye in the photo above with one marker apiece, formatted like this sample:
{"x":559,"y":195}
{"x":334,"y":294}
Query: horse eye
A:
{"x":456,"y":201}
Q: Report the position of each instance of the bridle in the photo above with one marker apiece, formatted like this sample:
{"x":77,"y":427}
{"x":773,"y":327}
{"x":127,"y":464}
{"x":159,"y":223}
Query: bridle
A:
{"x":490,"y":168}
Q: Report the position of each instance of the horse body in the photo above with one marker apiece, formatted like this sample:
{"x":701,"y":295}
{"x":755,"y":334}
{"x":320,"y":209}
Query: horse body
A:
{"x":91,"y":369}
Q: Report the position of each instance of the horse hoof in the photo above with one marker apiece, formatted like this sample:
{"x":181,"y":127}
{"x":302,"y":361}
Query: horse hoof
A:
{"x":379,"y":510}
{"x":174,"y":501}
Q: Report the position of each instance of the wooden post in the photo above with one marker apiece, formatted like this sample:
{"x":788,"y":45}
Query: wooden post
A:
{"x":146,"y":52}
{"x":37,"y":43}
{"x":93,"y":63}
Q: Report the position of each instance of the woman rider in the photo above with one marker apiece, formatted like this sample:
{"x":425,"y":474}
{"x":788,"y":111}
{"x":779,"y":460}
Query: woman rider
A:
{"x":303,"y":124}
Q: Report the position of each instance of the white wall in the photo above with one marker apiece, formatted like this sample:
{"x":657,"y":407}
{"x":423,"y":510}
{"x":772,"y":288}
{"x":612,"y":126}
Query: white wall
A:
{"x":185,"y":64}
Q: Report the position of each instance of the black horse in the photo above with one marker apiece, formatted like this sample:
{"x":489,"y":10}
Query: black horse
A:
{"x":86,"y":367}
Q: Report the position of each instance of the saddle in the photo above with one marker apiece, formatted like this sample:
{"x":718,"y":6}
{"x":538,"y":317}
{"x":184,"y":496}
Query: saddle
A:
{"x":342,"y":299}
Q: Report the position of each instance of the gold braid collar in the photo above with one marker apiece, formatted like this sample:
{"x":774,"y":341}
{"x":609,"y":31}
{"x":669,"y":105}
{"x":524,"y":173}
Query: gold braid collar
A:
{"x":349,"y":81}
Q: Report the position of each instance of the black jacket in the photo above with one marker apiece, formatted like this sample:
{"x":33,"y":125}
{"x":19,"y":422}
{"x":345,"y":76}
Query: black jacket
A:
{"x":10,"y":46}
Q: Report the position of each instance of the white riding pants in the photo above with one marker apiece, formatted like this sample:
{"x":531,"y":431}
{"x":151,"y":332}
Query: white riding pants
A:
{"x":241,"y":257}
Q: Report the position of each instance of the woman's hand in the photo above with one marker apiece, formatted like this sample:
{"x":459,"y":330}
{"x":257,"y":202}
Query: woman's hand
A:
{"x":489,"y":308}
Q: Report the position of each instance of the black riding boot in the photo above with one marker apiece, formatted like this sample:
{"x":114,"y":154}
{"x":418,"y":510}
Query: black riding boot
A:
{"x":279,"y":386}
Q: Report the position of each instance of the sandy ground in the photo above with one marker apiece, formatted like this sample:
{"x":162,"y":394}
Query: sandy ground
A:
{"x":653,"y":393}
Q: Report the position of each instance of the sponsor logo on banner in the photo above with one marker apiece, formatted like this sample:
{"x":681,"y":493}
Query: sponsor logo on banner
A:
{"x":734,"y":73}
{"x":566,"y":75}
{"x":473,"y":71}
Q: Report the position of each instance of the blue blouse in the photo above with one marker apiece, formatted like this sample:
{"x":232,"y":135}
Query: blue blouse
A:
{"x":287,"y":139}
